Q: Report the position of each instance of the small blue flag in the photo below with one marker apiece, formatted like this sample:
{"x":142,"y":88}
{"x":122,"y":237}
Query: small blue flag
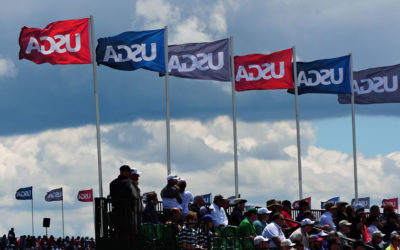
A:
{"x":133,"y":50}
{"x":24,"y":193}
{"x":329,"y":76}
{"x":207,"y":198}
{"x":54,"y":195}
{"x":334,"y":200}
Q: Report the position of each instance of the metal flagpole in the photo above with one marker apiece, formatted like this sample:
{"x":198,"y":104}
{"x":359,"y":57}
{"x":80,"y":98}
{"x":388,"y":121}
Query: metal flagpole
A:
{"x":96,"y":99}
{"x":62,"y":211}
{"x":33,"y":231}
{"x":167,"y":100}
{"x":353,"y":130}
{"x":234,"y":119}
{"x":296,"y":94}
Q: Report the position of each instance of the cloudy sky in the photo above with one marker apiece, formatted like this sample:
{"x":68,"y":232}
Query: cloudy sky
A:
{"x":47,"y":130}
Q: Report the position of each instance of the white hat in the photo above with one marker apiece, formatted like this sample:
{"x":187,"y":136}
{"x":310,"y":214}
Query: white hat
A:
{"x":135,"y":171}
{"x":306,"y":222}
{"x":259,"y":239}
{"x":287,"y":243}
{"x":172,"y":177}
{"x":264,"y":210}
{"x":322,"y":234}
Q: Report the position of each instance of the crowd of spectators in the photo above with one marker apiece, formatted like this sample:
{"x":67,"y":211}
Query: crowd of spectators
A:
{"x":10,"y":241}
{"x":340,"y":226}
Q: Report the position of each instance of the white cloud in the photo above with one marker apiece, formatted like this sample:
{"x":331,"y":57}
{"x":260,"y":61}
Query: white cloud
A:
{"x":7,"y":67}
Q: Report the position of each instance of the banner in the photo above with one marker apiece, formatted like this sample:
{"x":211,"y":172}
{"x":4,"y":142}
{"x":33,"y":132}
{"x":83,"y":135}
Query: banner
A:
{"x":329,"y":76}
{"x":207,"y":198}
{"x":54,"y":195}
{"x":375,"y":85}
{"x":363,"y":202}
{"x":24,"y":193}
{"x":85,"y":195}
{"x":334,"y":200}
{"x":204,"y":61}
{"x":295,"y":204}
{"x":133,"y":50}
{"x":256,"y":71}
{"x":62,"y":42}
{"x":394,"y":202}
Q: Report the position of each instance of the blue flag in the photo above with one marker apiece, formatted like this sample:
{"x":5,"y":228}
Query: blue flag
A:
{"x":362,"y":203}
{"x":334,"y":200}
{"x":133,"y":50}
{"x":207,"y":198}
{"x":329,"y":76}
{"x":24,"y":193}
{"x":54,"y":195}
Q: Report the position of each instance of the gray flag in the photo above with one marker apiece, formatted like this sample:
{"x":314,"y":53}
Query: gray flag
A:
{"x":375,"y":85}
{"x":54,"y":195}
{"x":206,"y":61}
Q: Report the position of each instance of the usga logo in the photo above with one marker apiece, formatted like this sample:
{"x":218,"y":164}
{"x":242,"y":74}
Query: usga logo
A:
{"x":265,"y":71}
{"x":23,"y":194}
{"x":323,"y":76}
{"x":124,"y":53}
{"x":84,"y":196}
{"x":377,"y":85}
{"x":201,"y":61}
{"x":58,"y":43}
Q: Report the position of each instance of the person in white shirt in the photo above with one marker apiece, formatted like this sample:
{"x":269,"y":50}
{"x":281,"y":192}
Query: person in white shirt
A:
{"x":274,"y":231}
{"x":326,"y":220}
{"x":186,"y":195}
{"x":218,"y":212}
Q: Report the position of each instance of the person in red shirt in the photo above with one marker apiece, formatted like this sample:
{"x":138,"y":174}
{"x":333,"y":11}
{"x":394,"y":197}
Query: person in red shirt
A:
{"x":286,"y":212}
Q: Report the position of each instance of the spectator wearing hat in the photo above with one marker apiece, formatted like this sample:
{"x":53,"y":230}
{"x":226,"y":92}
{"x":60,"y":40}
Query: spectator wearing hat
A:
{"x":186,"y":195}
{"x":303,"y":206}
{"x":218,"y":212}
{"x":150,"y":213}
{"x":206,"y":234}
{"x":287,"y":244}
{"x":286,"y":212}
{"x":326,"y":219}
{"x":340,"y":212}
{"x":237,"y":212}
{"x":314,"y":242}
{"x":274,"y":231}
{"x":261,"y":222}
{"x":122,"y":195}
{"x":344,"y":230}
{"x":394,"y":242}
{"x":261,"y":242}
{"x":274,"y":206}
{"x":171,"y":196}
{"x":301,"y":233}
{"x":377,"y":240}
{"x":246,"y":227}
{"x":137,"y":205}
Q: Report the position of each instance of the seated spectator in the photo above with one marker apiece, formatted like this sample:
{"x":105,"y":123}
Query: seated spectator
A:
{"x":350,"y":213}
{"x":392,"y":224}
{"x":274,"y":231}
{"x":373,"y":222}
{"x":149,"y":213}
{"x":246,"y":227}
{"x":205,"y":237}
{"x":359,"y":245}
{"x":356,"y":227}
{"x":218,"y":212}
{"x":205,"y":210}
{"x":237,"y":212}
{"x":298,"y":244}
{"x":394,"y":241}
{"x":187,"y":237}
{"x":175,"y":220}
{"x":377,"y":240}
{"x":261,"y":242}
{"x":344,"y":230}
{"x":198,"y":202}
{"x":326,"y":220}
{"x":340,"y":212}
{"x":286,"y":244}
{"x":286,"y":212}
{"x":333,"y":241}
{"x":261,"y":222}
{"x":314,"y":242}
{"x":303,"y":206}
{"x":301,"y":233}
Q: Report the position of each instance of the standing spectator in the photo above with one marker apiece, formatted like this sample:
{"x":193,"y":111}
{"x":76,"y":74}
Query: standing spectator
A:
{"x":303,"y":206}
{"x":187,"y":196}
{"x":350,"y":213}
{"x":198,"y":202}
{"x":246,"y":227}
{"x":356,"y":228}
{"x":373,"y":222}
{"x":340,"y":212}
{"x":218,"y":212}
{"x":261,"y":222}
{"x":274,"y":231}
{"x":150,"y":214}
{"x":301,"y":233}
{"x":122,"y":195}
{"x":286,"y":212}
{"x":137,"y":205}
{"x":171,"y":196}
{"x":326,"y":219}
{"x":237,"y":212}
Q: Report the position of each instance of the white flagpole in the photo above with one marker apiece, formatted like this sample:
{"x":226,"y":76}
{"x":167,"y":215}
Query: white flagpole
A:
{"x":234,"y":119}
{"x":62,"y":212}
{"x":96,"y":99}
{"x":167,"y":100}
{"x":33,"y":231}
{"x":296,"y":94}
{"x":353,"y":122}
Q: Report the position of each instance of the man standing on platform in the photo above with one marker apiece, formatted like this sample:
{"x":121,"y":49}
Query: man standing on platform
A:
{"x":137,"y":205}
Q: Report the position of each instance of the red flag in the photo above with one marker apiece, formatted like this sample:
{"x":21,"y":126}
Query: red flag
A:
{"x":85,"y":195}
{"x":62,"y":42}
{"x":256,"y":71}
{"x":394,"y":202}
{"x":295,"y":204}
